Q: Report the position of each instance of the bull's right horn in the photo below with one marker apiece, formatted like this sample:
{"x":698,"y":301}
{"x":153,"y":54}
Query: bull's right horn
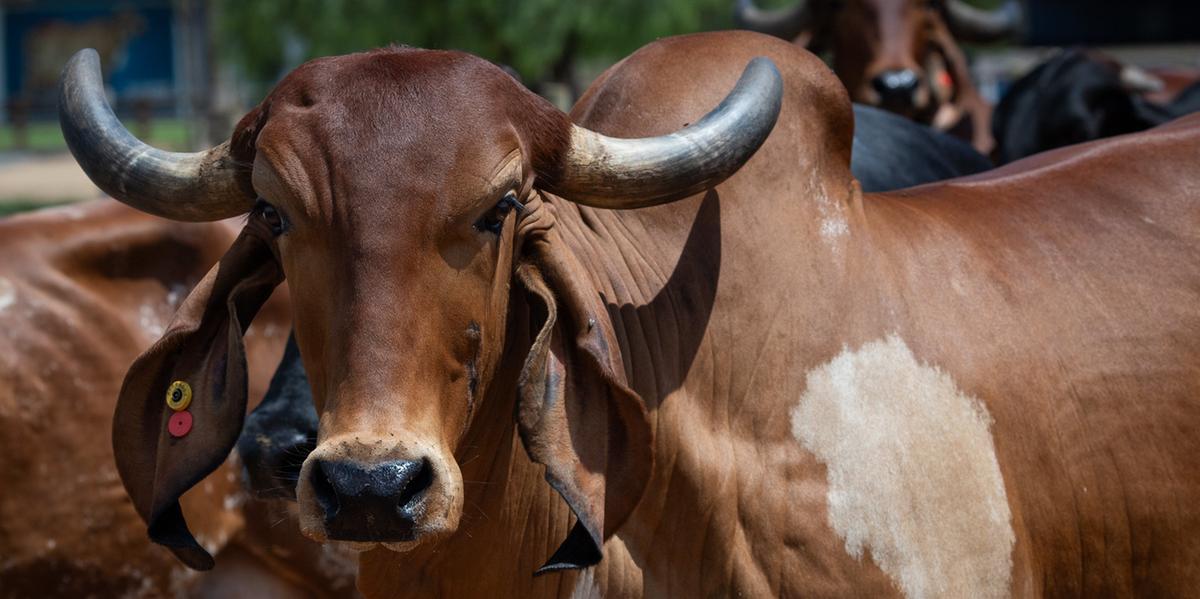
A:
{"x":608,"y":172}
{"x":200,"y":186}
{"x":786,"y":23}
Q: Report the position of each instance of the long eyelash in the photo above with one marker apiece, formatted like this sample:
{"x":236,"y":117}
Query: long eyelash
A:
{"x":511,"y":201}
{"x":247,"y":216}
{"x":507,"y":203}
{"x":253,"y":211}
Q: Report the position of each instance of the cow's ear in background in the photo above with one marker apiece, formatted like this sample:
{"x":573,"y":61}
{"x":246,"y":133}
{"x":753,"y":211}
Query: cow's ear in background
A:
{"x":183,"y":401}
{"x":576,"y":414}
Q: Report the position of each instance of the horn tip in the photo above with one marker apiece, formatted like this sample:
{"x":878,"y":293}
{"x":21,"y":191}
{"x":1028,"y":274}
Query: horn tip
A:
{"x":763,"y":62}
{"x":85,"y":56}
{"x":83,"y":64}
{"x":764,"y":67}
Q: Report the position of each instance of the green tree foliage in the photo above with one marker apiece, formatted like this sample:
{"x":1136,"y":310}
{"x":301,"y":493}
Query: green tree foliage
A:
{"x":528,"y":35}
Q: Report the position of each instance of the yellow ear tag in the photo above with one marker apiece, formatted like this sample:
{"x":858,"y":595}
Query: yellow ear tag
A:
{"x":179,"y":396}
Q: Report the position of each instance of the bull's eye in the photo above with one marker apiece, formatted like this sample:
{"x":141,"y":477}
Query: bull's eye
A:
{"x":493,"y":219}
{"x":273,"y":217}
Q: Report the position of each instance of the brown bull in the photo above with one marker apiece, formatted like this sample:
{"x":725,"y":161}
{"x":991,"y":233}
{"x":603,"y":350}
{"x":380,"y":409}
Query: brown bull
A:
{"x":900,"y":55}
{"x":83,"y":290}
{"x":776,"y":386}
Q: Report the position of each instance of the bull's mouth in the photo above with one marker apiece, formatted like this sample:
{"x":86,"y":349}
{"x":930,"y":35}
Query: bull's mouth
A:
{"x":399,"y":540}
{"x":365,"y":546}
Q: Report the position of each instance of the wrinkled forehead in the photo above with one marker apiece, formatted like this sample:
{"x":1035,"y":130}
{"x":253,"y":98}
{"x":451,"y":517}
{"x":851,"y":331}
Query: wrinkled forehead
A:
{"x":389,"y":123}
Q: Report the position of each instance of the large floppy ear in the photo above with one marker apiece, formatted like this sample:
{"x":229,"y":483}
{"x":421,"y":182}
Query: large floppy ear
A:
{"x":183,"y":401}
{"x":576,"y":414}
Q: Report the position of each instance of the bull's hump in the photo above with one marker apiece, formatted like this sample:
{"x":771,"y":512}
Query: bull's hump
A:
{"x":912,"y":471}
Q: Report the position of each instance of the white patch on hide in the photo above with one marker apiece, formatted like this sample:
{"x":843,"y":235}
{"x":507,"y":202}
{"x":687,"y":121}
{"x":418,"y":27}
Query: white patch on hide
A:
{"x":151,"y":320}
{"x":232,"y":502}
{"x":833,"y":227}
{"x":912,"y":471}
{"x":8,"y":294}
{"x":833,"y":218}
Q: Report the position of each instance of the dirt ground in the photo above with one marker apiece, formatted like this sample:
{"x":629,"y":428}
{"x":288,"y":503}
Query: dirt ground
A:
{"x":43,"y":178}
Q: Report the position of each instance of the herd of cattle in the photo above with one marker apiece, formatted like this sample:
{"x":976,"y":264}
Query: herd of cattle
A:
{"x":716,"y":332}
{"x":902,"y":55}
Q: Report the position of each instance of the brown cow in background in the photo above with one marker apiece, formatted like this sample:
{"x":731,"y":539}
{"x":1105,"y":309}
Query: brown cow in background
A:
{"x":900,"y":55}
{"x":83,"y":290}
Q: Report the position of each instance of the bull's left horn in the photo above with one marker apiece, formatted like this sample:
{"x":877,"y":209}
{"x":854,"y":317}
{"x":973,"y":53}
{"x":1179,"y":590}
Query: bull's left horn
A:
{"x":984,"y":25}
{"x":200,"y":186}
{"x":608,"y":172}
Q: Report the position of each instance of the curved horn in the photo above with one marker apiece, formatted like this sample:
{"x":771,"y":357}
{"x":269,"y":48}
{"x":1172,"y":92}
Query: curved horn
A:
{"x":607,"y":172}
{"x":786,"y":23}
{"x":198,"y":186}
{"x":984,"y":25}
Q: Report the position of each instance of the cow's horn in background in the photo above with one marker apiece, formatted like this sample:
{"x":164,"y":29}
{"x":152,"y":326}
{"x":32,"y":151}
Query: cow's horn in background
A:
{"x":984,"y":25}
{"x":786,"y":23}
{"x":199,"y":186}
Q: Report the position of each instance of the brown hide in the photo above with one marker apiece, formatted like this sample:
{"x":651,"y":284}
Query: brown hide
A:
{"x":1061,"y":292}
{"x":1055,"y":302}
{"x":353,"y":346}
{"x":83,"y":290}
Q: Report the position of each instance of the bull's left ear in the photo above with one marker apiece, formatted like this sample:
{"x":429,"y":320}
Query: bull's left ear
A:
{"x":183,"y":401}
{"x":576,"y":414}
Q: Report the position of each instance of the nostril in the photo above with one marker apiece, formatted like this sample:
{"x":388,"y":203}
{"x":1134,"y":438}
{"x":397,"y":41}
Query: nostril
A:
{"x":414,"y":489}
{"x":371,"y":501}
{"x":880,"y":85}
{"x":325,"y":493}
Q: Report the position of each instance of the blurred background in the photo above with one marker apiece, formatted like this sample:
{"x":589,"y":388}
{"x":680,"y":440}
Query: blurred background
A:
{"x":181,"y":72}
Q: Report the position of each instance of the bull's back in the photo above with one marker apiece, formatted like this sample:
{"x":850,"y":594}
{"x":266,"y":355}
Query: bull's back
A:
{"x":83,"y":290}
{"x":1064,"y":293}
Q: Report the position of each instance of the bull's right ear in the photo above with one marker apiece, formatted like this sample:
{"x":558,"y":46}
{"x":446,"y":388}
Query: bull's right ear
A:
{"x":183,"y":401}
{"x":576,"y":413}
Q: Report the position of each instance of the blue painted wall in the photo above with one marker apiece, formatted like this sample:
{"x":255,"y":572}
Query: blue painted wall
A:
{"x":148,"y":60}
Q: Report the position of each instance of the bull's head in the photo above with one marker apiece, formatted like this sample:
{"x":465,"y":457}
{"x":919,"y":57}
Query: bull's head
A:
{"x":405,"y":194}
{"x":887,"y":51}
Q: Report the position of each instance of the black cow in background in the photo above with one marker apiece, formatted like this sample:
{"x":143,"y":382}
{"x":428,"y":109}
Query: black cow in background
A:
{"x":281,"y":431}
{"x":889,"y":152}
{"x":892,"y":152}
{"x":1077,"y":96}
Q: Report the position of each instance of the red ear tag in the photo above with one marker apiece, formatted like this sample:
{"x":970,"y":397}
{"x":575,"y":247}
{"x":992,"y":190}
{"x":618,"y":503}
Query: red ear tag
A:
{"x":180,"y":423}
